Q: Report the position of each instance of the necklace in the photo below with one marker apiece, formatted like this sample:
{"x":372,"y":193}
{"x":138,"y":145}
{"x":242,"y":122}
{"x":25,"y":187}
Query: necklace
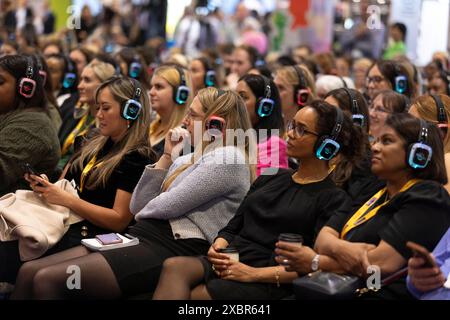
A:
{"x":308,"y":180}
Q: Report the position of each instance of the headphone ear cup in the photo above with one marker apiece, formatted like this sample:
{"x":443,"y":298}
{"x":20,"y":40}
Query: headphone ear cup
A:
{"x":319,"y":143}
{"x":408,"y":154}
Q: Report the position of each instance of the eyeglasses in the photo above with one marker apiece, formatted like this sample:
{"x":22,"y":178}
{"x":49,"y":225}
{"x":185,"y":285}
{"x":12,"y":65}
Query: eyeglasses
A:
{"x":298,"y":129}
{"x":378,"y":109}
{"x":374,"y":79}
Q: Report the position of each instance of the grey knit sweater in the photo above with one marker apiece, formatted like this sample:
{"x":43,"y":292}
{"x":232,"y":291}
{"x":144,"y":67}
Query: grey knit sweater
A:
{"x":26,"y":136}
{"x":201,"y":200}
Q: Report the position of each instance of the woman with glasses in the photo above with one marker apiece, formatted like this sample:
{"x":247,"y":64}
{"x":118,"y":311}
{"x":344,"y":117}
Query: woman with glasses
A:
{"x":299,"y":202}
{"x":384,"y":103}
{"x":389,"y":75}
{"x":412,"y":207}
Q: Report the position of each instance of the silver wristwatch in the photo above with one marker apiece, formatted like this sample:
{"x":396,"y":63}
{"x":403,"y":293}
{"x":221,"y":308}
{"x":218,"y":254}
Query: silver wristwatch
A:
{"x":315,"y":263}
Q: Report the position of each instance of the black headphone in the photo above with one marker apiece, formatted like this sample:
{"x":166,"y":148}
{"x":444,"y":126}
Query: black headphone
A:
{"x":357,"y":116}
{"x":446,"y":77}
{"x":265,"y":104}
{"x":301,"y":91}
{"x":210,"y":79}
{"x":132,"y":107}
{"x":70,"y":76}
{"x":326,"y":146}
{"x":27,"y":85}
{"x":135,"y":68}
{"x":401,"y":81}
{"x":419,"y":153}
{"x":41,"y":70}
{"x":181,"y":92}
{"x":441,"y":114}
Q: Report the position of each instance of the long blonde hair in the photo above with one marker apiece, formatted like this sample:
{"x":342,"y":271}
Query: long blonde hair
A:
{"x":171,"y":74}
{"x":428,"y":110}
{"x":289,"y":74}
{"x":135,"y":139}
{"x":229,"y":106}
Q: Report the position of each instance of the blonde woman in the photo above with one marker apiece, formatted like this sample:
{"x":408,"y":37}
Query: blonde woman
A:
{"x":168,"y":85}
{"x":179,"y":204}
{"x":436,"y":109}
{"x":108,"y":167}
{"x":82,"y":120}
{"x":297,"y":88}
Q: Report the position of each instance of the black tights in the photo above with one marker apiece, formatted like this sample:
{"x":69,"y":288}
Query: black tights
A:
{"x":181,"y":279}
{"x":50,"y":277}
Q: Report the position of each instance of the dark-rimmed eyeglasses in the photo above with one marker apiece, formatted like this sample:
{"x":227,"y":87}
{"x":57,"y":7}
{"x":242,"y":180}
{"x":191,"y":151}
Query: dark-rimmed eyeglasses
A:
{"x":299,"y":129}
{"x":374,"y":79}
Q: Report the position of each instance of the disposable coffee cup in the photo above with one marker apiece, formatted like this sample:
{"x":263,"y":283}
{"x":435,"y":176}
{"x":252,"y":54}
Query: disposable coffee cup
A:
{"x":291,"y":238}
{"x":231,"y":252}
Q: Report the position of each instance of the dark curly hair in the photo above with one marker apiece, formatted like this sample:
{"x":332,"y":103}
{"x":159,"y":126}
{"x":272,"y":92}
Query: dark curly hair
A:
{"x":350,"y":138}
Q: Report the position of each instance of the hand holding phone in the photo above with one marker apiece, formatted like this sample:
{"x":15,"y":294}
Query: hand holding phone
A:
{"x":422,"y":252}
{"x":30,"y":171}
{"x":109,"y":238}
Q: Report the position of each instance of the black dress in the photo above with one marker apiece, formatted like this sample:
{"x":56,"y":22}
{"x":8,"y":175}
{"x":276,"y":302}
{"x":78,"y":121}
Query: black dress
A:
{"x":420,"y":214}
{"x":124,"y":177}
{"x":275,"y":204}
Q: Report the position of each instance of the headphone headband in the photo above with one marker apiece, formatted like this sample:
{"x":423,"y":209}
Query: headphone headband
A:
{"x":301,"y":79}
{"x":338,"y":126}
{"x":357,"y":116}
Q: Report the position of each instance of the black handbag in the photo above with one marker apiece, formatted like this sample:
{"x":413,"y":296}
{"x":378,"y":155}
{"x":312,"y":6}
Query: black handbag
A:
{"x":327,"y":285}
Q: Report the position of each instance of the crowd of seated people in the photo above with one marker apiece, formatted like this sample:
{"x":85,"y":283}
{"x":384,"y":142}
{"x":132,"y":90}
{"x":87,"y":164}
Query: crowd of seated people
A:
{"x":225,"y":151}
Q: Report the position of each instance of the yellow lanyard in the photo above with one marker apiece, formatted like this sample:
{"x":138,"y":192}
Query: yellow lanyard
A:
{"x":91,"y":165}
{"x":76,"y":132}
{"x":366,"y":212}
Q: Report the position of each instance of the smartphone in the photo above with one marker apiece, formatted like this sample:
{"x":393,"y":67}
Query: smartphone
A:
{"x":422,"y":252}
{"x":30,"y":170}
{"x":109,"y":238}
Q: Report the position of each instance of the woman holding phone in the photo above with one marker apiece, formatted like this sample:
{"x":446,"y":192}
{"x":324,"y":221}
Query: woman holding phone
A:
{"x":105,"y":171}
{"x":180,"y":203}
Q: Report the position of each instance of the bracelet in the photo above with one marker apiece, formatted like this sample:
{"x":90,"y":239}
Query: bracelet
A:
{"x":277,"y":277}
{"x":168,"y":154}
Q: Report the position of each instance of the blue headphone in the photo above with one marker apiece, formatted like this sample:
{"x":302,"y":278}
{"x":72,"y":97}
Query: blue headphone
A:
{"x":132,"y":107}
{"x":265,"y":105}
{"x":357,"y":116}
{"x":327,"y":147}
{"x":210,"y":78}
{"x":419,"y":153}
{"x":135,"y":68}
{"x":401,"y":82}
{"x":181,"y":92}
{"x":70,"y":76}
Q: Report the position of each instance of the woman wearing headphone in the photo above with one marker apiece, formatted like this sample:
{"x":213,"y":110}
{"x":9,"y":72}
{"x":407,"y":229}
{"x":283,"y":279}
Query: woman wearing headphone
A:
{"x":81,"y":121}
{"x":298,"y":202}
{"x":436,"y":109}
{"x":384,"y":103}
{"x":204,"y":74}
{"x":180,"y":203}
{"x":133,"y":65}
{"x":244,"y":59}
{"x":170,"y":96}
{"x":264,"y":108}
{"x":413,"y":206}
{"x":355,"y":177}
{"x":296,"y":87}
{"x":27,"y":134}
{"x":389,"y":75}
{"x":106,"y":170}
